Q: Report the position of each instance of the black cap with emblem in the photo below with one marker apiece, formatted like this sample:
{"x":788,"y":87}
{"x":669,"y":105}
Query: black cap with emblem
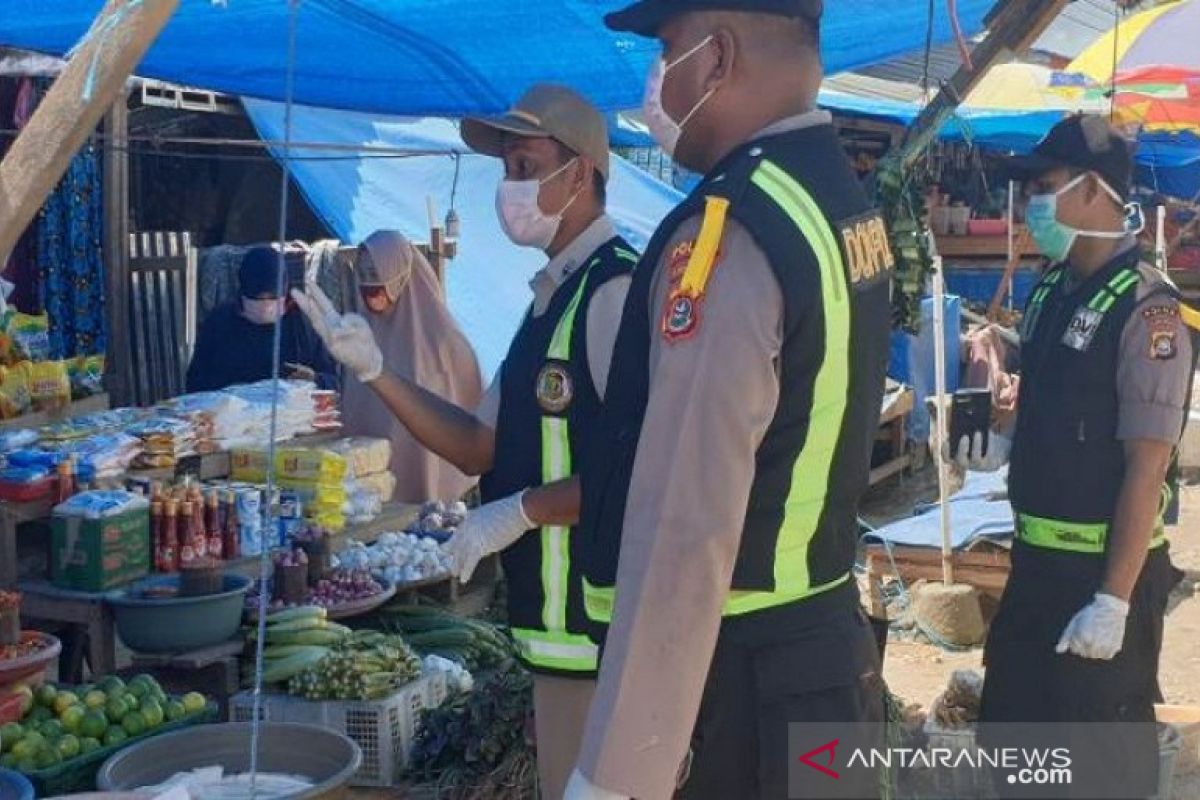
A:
{"x":646,"y":16}
{"x":1081,"y":141}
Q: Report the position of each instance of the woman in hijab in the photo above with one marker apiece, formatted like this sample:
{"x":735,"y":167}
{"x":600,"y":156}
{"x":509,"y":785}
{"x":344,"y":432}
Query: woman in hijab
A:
{"x":399,"y":296}
{"x":237,"y":340}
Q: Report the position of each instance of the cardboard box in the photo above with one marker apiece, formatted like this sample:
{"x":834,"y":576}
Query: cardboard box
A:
{"x":95,"y":555}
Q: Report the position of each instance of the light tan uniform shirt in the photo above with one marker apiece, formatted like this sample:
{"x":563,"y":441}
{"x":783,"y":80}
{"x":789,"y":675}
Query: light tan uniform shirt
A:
{"x":603,"y":314}
{"x":712,"y":397}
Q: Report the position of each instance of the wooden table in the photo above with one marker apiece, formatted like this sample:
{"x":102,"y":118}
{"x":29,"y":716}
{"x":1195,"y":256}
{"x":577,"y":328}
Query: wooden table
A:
{"x":87,"y":614}
{"x":986,"y":570}
{"x":13,"y":515}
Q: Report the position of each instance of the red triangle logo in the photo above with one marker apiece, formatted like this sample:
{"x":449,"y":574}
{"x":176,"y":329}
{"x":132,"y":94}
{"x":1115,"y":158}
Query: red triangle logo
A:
{"x":829,"y":748}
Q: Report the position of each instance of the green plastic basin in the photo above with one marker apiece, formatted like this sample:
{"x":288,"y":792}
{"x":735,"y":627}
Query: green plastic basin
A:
{"x":176,"y":624}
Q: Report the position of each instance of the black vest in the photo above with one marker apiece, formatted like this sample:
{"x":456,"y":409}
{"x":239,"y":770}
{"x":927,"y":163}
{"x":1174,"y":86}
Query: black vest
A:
{"x":518,"y":462}
{"x":1067,"y":463}
{"x":853,"y":239}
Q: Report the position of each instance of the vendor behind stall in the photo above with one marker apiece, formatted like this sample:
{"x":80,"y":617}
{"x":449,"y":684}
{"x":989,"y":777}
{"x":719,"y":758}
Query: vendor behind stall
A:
{"x":399,"y":297}
{"x":236,"y":342}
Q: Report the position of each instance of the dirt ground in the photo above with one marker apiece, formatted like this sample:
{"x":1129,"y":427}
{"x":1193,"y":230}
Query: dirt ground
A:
{"x":918,"y":672}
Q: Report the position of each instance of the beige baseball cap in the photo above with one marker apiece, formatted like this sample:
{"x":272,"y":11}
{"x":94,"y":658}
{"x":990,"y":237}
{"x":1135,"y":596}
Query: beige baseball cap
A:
{"x":546,"y":110}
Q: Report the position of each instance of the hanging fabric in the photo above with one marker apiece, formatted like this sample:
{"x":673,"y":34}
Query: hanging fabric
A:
{"x":18,"y":99}
{"x":70,"y":259}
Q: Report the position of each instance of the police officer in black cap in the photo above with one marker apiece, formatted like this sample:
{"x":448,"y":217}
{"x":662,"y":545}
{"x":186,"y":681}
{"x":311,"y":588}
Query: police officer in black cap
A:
{"x":735,"y":439}
{"x":1107,"y":360}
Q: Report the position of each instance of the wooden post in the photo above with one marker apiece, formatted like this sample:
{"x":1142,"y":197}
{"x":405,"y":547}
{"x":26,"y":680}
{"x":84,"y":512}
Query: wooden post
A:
{"x":1012,"y":26}
{"x":118,"y":361}
{"x":81,"y":95}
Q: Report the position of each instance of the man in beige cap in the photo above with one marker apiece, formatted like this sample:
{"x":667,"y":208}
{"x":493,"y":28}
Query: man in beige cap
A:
{"x":530,"y":428}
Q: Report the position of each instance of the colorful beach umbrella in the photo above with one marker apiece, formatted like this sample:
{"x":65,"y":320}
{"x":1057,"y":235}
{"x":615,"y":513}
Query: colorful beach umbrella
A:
{"x":1018,"y":86}
{"x":1166,"y":34}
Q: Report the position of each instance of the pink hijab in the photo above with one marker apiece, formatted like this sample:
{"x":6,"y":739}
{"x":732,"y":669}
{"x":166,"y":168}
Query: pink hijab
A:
{"x":420,"y":341}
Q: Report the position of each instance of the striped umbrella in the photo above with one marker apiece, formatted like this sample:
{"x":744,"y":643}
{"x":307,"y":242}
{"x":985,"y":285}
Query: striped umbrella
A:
{"x":1166,"y":34}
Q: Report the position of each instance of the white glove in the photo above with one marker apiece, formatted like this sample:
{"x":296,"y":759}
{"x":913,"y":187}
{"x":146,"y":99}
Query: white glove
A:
{"x":348,"y":337}
{"x":969,"y":456}
{"x":580,"y":788}
{"x":486,"y":530}
{"x":1097,"y":630}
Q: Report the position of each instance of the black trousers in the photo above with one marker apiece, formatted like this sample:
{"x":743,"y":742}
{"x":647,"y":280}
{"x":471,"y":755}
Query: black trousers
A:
{"x":812,"y":661}
{"x":1028,"y":682}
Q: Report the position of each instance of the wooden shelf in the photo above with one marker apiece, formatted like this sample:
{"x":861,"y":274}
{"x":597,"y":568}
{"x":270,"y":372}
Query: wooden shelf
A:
{"x":983,"y":247}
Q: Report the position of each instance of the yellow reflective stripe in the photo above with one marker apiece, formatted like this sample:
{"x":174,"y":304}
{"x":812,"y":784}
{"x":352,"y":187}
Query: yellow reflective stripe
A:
{"x":598,"y":601}
{"x":745,"y":602}
{"x":704,"y":252}
{"x":556,"y":553}
{"x":1072,"y":537}
{"x":811,"y":472}
{"x":563,"y":651}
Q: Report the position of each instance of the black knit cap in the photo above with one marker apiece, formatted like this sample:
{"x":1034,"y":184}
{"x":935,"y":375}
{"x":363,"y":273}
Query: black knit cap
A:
{"x":259,"y":272}
{"x":646,"y":16}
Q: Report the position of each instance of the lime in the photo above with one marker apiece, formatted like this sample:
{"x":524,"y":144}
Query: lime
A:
{"x":95,"y":699}
{"x":8,"y":761}
{"x":27,"y":765}
{"x":152,"y":712}
{"x":84,"y":688}
{"x":72,"y":718}
{"x":114,"y":735}
{"x":193,"y":702}
{"x":111,"y":684}
{"x":139,"y":689}
{"x":52,"y":729}
{"x":10,"y":734}
{"x":134,"y":723}
{"x":94,"y":724}
{"x":26,"y":748}
{"x":45,"y":695}
{"x":68,"y":747}
{"x":48,"y":757}
{"x":115,"y":708}
{"x":26,"y":697}
{"x":175,"y":710}
{"x":87,"y":744}
{"x":39,"y":714}
{"x":64,"y":700}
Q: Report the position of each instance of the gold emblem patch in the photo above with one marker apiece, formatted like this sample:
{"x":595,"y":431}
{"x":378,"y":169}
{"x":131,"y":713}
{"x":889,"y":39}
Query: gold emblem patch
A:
{"x":868,"y":250}
{"x":554,"y":388}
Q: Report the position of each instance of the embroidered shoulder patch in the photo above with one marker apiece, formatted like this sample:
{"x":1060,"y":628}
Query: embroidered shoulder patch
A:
{"x":868,"y":251}
{"x":1162,"y":345}
{"x":681,"y":312}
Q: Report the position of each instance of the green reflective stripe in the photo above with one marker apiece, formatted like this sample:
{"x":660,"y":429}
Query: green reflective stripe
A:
{"x":1123,"y":281}
{"x":560,"y":343}
{"x":598,"y":601}
{"x":1073,"y":537}
{"x":1108,"y":295}
{"x":811,"y":472}
{"x":1102,"y":302}
{"x":556,"y":554}
{"x":626,"y":255}
{"x":563,"y":651}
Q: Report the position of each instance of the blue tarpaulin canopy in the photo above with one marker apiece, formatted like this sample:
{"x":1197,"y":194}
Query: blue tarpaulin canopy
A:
{"x":487,"y":284}
{"x":436,"y":57}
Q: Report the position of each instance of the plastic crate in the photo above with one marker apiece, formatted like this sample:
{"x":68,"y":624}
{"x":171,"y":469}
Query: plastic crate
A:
{"x":384,"y":729}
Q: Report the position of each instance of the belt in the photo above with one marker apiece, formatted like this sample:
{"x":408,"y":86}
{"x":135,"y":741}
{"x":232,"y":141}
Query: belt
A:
{"x":1074,"y":537}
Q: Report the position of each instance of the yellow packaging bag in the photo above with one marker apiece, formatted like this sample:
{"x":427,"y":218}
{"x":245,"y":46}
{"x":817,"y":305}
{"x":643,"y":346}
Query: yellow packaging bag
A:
{"x":15,"y":399}
{"x":248,"y":466}
{"x":49,"y":385}
{"x":310,"y":465}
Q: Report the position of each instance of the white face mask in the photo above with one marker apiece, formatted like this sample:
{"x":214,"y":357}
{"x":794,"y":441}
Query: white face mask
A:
{"x":262,"y":312}
{"x":665,"y":130}
{"x":520,"y":215}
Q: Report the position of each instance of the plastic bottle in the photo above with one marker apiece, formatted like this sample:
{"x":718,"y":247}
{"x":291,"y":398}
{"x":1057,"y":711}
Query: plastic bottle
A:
{"x":232,"y":532}
{"x":212,"y":526}
{"x":169,"y":544}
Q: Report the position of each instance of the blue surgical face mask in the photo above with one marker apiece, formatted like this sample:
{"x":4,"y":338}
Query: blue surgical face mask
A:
{"x":1054,"y":238}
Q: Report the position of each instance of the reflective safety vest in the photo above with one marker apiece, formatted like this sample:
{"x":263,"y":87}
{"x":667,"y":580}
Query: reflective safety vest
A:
{"x":547,"y":403}
{"x":1067,"y":464}
{"x":800,"y":201}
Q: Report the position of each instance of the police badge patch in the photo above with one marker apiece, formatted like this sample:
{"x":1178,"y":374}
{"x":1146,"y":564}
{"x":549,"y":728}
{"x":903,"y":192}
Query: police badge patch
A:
{"x":680,"y":316}
{"x":1162,"y":345}
{"x":554,"y":388}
